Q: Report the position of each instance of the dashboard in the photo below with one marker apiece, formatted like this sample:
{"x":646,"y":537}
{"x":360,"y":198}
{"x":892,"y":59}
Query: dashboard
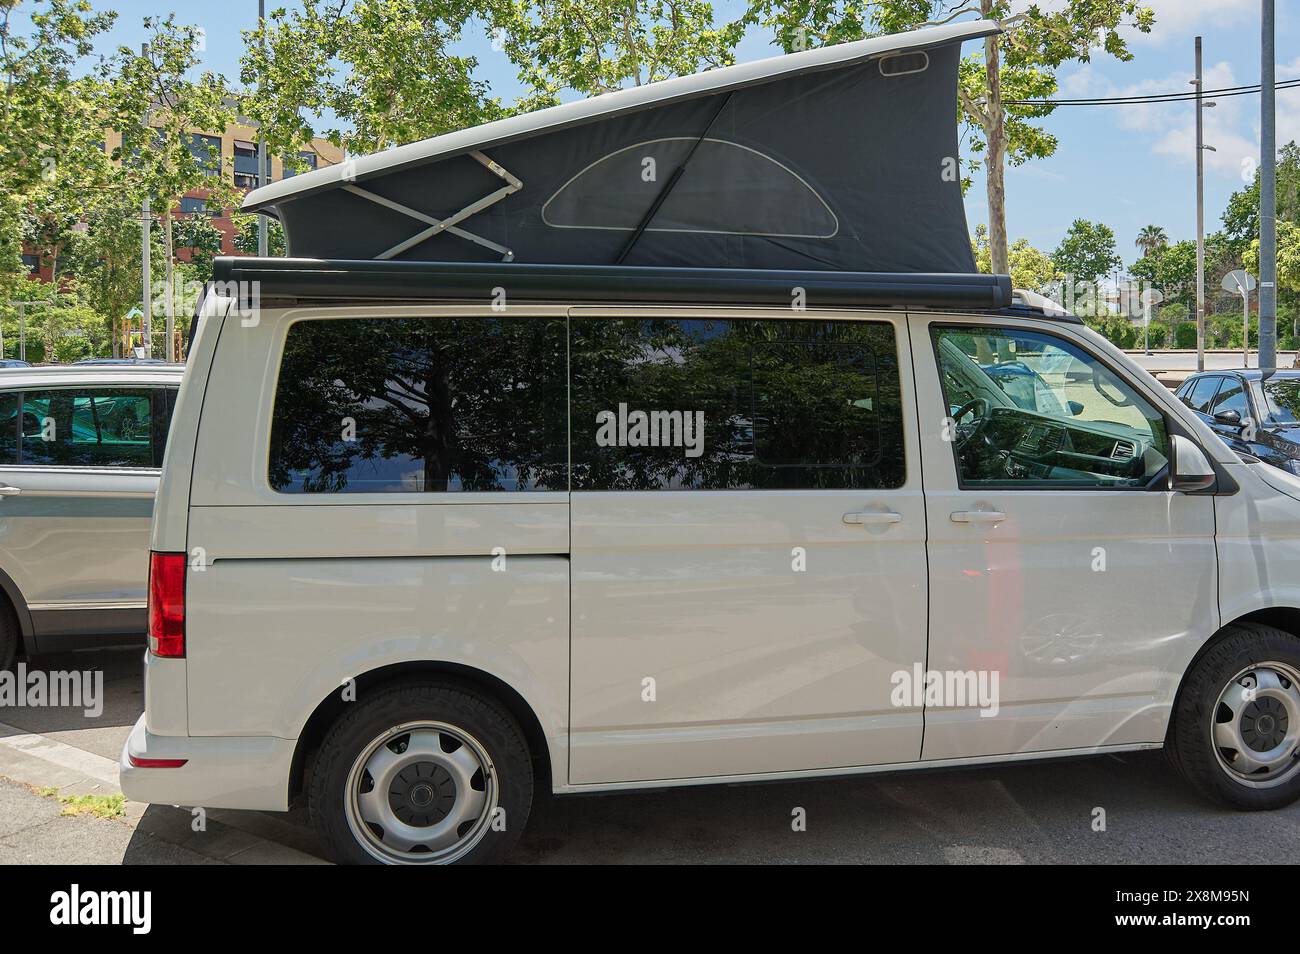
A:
{"x":1020,"y":445}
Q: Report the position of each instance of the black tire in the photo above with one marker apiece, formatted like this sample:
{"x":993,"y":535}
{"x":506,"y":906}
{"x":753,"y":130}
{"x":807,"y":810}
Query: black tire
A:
{"x":10,"y":638}
{"x":452,"y":704}
{"x":1189,"y":743}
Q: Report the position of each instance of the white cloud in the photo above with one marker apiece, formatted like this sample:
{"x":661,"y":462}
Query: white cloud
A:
{"x":1179,"y":19}
{"x":1231,"y":126}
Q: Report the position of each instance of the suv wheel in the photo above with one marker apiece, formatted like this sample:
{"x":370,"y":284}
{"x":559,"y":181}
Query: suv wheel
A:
{"x":9,"y":638}
{"x":1236,"y":727}
{"x":422,"y":774}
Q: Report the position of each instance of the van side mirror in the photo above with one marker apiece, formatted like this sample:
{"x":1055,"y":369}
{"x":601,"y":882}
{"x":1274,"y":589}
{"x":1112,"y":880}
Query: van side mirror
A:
{"x":1074,"y":407}
{"x":1189,"y":471}
{"x":1230,"y":417}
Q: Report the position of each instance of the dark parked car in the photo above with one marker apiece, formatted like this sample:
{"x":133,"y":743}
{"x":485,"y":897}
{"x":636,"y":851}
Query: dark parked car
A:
{"x":1253,"y":414}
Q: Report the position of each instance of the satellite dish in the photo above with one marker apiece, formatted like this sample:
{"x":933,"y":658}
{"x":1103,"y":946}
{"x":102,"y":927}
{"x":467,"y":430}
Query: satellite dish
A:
{"x":1239,"y":282}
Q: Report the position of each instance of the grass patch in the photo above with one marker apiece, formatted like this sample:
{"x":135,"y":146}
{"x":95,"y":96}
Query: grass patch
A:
{"x":101,"y":806}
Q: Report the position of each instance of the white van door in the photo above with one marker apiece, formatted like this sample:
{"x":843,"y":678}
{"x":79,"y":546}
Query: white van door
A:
{"x":748,"y":544}
{"x":1062,"y":581}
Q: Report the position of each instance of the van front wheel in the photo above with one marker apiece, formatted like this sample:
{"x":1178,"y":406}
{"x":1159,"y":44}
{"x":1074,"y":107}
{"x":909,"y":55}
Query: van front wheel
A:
{"x":1236,"y":729}
{"x":422,"y":774}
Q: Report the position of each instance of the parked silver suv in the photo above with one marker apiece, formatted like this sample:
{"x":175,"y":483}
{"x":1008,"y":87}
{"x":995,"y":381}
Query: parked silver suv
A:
{"x":80,"y":452}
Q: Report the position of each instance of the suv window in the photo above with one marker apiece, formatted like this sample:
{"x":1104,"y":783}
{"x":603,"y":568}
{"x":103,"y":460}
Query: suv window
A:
{"x":1202,"y":393}
{"x":1084,"y":427}
{"x":92,"y":427}
{"x":401,"y":405}
{"x":715,"y":404}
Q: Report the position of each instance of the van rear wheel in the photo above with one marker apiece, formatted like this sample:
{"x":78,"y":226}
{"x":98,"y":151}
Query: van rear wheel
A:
{"x":422,"y":774}
{"x":1236,"y":728}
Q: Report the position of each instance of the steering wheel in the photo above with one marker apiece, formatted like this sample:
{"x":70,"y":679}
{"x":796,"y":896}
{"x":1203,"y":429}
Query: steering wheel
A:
{"x":963,"y":434}
{"x":1096,"y":386}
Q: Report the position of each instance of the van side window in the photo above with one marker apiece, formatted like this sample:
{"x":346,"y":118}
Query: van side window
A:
{"x":713,"y":404}
{"x":1031,"y":409}
{"x":401,"y":405}
{"x":89,"y":427}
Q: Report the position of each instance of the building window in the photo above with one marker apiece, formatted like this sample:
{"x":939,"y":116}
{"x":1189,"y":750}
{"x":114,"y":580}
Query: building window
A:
{"x":307,"y":159}
{"x":193,"y":205}
{"x":33,"y":263}
{"x":207,"y":150}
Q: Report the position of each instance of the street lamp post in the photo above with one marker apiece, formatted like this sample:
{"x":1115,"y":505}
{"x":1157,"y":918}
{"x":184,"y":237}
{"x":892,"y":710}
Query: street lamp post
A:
{"x":1267,"y":196}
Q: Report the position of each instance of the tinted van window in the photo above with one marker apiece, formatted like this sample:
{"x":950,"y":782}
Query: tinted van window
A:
{"x":388,"y":405}
{"x":714,"y":404}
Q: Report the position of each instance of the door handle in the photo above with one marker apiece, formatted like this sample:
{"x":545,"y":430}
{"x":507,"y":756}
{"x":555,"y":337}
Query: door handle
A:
{"x":7,"y":491}
{"x":872,"y":518}
{"x":978,"y":516}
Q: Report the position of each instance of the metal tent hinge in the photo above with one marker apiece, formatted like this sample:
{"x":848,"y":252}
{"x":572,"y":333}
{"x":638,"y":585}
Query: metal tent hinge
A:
{"x":451,"y":222}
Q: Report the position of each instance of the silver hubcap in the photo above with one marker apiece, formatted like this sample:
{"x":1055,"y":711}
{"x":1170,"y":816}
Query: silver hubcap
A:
{"x":1256,"y":730}
{"x":421,"y":793}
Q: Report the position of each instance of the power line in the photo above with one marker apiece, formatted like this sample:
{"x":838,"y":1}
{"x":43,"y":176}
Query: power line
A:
{"x":1151,"y":98}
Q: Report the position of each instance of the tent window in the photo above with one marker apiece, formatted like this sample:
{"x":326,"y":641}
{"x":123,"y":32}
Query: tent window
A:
{"x":901,"y":64}
{"x":727,"y":189}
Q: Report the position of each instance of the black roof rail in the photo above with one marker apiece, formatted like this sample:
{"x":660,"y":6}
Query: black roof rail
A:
{"x":278,"y":278}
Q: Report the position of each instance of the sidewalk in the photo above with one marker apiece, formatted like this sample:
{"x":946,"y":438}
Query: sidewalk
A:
{"x":36,"y":772}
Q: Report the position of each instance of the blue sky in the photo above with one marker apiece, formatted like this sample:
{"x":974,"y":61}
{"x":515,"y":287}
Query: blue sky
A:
{"x":1127,"y":166}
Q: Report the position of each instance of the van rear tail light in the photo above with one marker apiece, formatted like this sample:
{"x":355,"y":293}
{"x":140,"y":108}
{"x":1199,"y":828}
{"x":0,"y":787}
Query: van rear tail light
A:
{"x":167,"y":604}
{"x":154,"y":763}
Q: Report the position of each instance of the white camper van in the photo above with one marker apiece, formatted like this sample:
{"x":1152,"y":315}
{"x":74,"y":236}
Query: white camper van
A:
{"x":435,"y":534}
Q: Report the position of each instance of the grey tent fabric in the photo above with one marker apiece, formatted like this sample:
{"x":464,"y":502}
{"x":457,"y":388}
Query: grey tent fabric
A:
{"x":844,"y":167}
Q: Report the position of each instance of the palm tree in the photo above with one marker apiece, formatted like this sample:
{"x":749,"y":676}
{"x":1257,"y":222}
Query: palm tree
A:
{"x":1151,"y":238}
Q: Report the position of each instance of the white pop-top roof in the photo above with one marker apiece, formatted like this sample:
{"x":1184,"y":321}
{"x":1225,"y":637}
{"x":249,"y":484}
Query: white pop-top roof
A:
{"x":610,"y":104}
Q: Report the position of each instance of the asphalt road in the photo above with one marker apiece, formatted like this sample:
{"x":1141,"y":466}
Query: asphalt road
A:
{"x":1025,"y":813}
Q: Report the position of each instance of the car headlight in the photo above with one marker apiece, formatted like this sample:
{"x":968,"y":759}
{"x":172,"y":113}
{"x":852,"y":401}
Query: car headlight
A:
{"x":1292,"y":465}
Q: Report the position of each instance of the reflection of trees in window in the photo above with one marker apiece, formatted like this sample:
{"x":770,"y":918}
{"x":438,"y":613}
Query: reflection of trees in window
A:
{"x":470,"y":404}
{"x":786,"y":403}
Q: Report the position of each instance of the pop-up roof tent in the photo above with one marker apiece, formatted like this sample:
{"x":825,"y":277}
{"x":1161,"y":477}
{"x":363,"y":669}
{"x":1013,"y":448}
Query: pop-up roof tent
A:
{"x":839,"y":158}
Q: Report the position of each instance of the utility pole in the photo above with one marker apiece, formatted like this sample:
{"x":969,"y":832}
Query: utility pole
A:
{"x":263,"y":161}
{"x":22,"y":328}
{"x":1267,"y":196}
{"x":1200,"y":214}
{"x":146,"y":220}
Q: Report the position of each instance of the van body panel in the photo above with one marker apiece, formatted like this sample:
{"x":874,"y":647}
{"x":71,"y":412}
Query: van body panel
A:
{"x":1063,"y":600}
{"x":757,"y":664}
{"x":1259,"y":541}
{"x":526,"y":525}
{"x":355,"y":616}
{"x":171,"y":512}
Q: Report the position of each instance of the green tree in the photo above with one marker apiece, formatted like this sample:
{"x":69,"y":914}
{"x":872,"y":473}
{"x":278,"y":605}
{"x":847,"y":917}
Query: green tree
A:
{"x":42,"y":107}
{"x":157,"y":104}
{"x":1241,"y":216}
{"x":1087,"y":252}
{"x":595,"y":46}
{"x":1151,"y":239}
{"x":384,"y":70}
{"x":1030,"y":268}
{"x":1288,"y":256}
{"x":1019,"y":65}
{"x":246,"y":236}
